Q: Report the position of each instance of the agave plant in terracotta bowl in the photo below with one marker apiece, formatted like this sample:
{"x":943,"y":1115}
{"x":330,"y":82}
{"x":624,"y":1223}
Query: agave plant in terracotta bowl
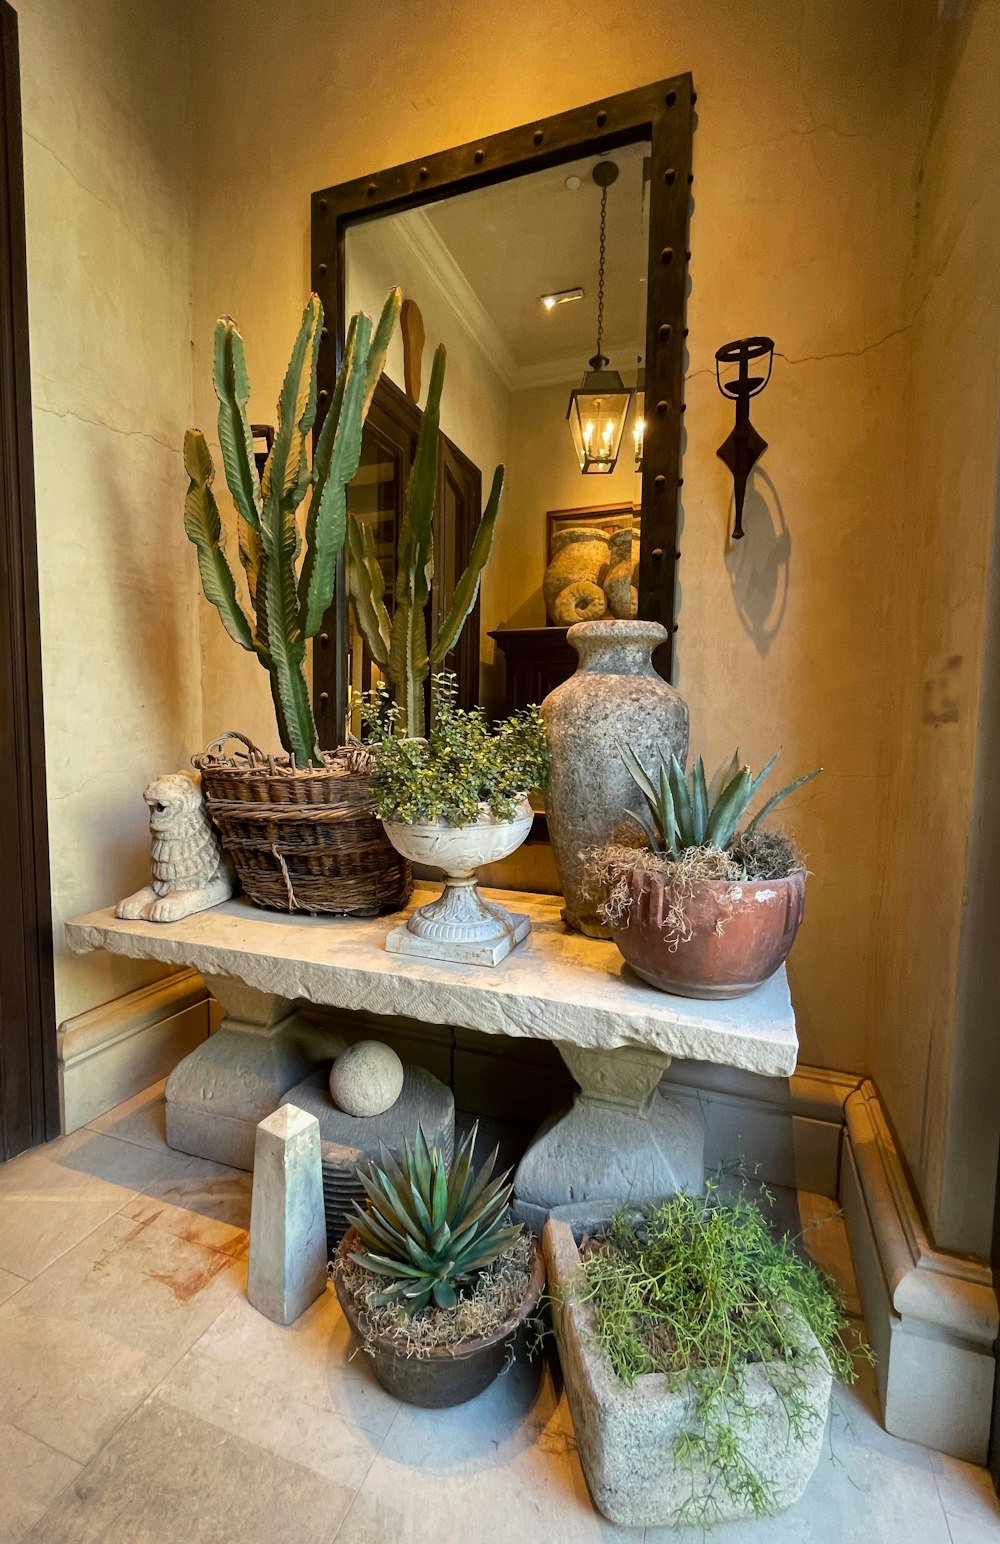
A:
{"x":698,"y":906}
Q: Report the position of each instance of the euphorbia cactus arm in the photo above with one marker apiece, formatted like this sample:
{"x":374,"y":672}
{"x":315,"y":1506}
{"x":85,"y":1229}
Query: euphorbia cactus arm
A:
{"x":283,"y":487}
{"x":467,"y":587}
{"x":203,"y":526}
{"x":399,"y":645}
{"x":409,"y":662}
{"x":338,"y":452}
{"x":366,"y":584}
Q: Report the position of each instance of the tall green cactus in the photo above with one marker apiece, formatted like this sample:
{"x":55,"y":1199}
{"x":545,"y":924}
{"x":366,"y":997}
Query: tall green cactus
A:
{"x":398,"y":644}
{"x":287,"y":601}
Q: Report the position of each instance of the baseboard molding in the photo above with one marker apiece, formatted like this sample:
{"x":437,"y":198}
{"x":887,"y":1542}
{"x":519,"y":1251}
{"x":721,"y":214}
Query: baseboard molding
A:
{"x":787,"y":1131}
{"x":114,"y":1051}
{"x":931,"y":1317}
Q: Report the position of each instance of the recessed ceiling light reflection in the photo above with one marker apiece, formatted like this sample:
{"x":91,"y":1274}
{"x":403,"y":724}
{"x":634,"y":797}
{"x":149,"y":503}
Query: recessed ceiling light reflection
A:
{"x":561,"y":298}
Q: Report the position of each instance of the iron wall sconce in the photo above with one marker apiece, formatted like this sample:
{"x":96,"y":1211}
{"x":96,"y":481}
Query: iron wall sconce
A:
{"x":743,"y":447}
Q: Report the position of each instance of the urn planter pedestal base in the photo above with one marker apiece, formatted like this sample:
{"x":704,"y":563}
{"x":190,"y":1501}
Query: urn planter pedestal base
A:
{"x":621,"y":1139}
{"x":462,"y":926}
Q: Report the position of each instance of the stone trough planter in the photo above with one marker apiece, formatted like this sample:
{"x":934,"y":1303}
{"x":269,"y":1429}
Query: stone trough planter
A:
{"x":626,"y":1436}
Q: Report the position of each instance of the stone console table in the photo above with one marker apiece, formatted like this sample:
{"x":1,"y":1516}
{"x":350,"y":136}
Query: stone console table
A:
{"x":621,"y":1138}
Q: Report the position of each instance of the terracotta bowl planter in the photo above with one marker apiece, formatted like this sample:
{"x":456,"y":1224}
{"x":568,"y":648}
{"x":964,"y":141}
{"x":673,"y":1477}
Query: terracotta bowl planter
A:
{"x":740,"y":932}
{"x":444,"y":1375}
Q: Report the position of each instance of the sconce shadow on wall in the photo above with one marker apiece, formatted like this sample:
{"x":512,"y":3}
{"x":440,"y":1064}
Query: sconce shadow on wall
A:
{"x":759,"y":568}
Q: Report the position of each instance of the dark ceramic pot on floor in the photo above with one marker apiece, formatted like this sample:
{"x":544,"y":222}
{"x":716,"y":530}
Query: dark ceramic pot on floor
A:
{"x":444,"y":1375}
{"x":740,"y":932}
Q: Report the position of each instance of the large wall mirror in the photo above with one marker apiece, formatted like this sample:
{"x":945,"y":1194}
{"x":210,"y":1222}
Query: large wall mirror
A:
{"x":504,"y":255}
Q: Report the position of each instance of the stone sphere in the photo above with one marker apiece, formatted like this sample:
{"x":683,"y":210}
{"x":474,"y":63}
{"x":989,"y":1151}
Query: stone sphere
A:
{"x":366,"y":1079}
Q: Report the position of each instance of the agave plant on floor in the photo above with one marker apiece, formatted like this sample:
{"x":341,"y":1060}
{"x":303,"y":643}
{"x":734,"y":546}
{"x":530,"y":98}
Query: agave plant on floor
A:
{"x":428,"y":1232}
{"x":686,"y":812}
{"x":287,"y":598}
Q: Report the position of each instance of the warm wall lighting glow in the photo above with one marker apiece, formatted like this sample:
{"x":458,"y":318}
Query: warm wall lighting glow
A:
{"x":561,"y":298}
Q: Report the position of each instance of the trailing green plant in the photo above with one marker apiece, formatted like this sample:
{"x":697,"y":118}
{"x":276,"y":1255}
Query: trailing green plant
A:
{"x":398,"y":643}
{"x":461,"y":765}
{"x":698,"y":1287}
{"x":690,"y":812}
{"x":428,"y":1232}
{"x":286,"y":599}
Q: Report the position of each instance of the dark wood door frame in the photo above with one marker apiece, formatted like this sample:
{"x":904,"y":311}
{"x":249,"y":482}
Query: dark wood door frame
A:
{"x":29,"y":1100}
{"x":662,"y":113}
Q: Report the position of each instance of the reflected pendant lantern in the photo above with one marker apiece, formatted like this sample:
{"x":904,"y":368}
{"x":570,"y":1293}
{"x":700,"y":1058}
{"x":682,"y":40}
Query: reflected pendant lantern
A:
{"x":599,"y":408}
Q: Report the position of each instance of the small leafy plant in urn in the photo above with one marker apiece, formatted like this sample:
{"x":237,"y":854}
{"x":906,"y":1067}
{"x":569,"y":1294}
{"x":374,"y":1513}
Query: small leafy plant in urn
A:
{"x":455,"y":801}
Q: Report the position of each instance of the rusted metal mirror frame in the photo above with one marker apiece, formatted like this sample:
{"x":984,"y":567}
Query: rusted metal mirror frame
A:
{"x":662,"y":113}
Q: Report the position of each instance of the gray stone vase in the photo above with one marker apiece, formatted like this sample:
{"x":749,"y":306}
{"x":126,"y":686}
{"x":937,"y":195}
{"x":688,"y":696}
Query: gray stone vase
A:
{"x":615,"y":697}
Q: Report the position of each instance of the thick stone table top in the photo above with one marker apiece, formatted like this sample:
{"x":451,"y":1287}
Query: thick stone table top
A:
{"x":556,"y":985}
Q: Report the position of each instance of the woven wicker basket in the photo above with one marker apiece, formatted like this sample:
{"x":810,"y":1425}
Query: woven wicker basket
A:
{"x":303,"y":840}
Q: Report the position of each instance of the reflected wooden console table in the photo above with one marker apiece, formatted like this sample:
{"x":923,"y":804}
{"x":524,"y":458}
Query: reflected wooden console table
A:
{"x":622,"y":1136}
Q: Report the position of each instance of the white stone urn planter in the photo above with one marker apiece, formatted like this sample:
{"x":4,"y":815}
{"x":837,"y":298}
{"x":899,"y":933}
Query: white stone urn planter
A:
{"x":626,"y":1436}
{"x":461,"y":925}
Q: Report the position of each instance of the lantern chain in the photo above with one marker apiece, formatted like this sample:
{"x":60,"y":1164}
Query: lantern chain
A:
{"x":600,"y":271}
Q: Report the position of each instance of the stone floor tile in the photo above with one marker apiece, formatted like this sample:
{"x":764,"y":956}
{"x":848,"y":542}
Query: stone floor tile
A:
{"x":270,"y":1415}
{"x":88,"y":1339}
{"x":203,"y":1189}
{"x":499,"y":1468}
{"x":142,"y":1119}
{"x":312,"y":1357}
{"x":31,"y":1476}
{"x":196,"y":1226}
{"x":966,"y":1491}
{"x":53,"y":1196}
{"x":167,"y":1477}
{"x":9,"y":1283}
{"x":973,"y":1530}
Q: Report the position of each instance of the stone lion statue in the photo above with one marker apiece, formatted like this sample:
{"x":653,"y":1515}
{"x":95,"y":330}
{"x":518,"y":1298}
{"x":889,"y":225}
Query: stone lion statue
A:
{"x":189,"y":871}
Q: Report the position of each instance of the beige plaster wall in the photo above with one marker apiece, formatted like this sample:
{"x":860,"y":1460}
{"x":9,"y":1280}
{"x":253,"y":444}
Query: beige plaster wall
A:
{"x":106,"y":107}
{"x":806,"y":156}
{"x":935,"y":1046}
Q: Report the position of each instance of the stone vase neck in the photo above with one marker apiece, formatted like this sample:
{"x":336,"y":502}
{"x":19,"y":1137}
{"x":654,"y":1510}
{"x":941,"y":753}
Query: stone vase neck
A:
{"x":616,"y":648}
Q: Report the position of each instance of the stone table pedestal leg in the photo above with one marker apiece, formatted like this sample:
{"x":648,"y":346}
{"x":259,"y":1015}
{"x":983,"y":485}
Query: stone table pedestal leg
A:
{"x":621,"y":1140}
{"x":217,"y":1096}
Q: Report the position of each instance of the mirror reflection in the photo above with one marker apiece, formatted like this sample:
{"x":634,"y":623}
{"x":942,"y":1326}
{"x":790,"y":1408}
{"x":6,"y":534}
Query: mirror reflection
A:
{"x":539,"y":296}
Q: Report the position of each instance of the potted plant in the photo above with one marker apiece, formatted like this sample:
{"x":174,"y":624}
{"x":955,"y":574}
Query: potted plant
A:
{"x":697,"y":906}
{"x":434,"y":1279}
{"x":299,"y":828}
{"x":455,"y":800}
{"x":697,"y":1350}
{"x":398,"y":642}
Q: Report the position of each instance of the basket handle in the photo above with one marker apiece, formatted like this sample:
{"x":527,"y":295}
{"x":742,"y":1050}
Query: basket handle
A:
{"x":215,"y":752}
{"x":293,"y":904}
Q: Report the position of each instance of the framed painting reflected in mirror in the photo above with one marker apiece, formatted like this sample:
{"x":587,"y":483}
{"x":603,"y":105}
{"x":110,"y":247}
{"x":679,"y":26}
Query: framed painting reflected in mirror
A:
{"x":529,"y":260}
